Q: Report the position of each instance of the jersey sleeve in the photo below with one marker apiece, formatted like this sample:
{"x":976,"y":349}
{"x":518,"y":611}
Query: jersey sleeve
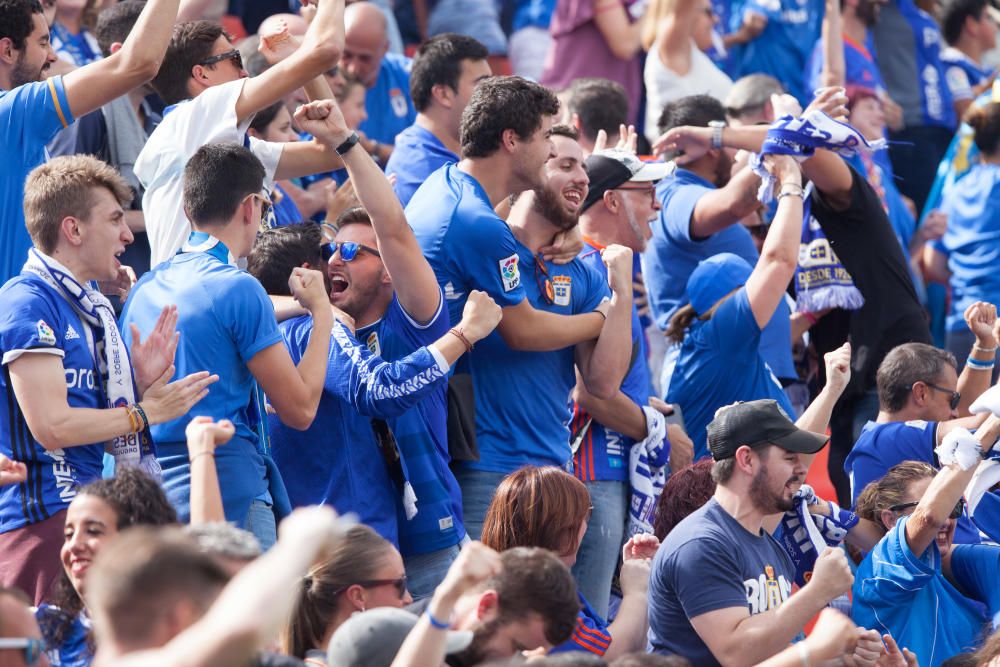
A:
{"x":702,"y":575}
{"x":375,"y":387}
{"x":485,"y":252}
{"x":681,"y":207}
{"x":41,"y":109}
{"x":414,"y":333}
{"x":897,"y":574}
{"x":958,"y":83}
{"x":769,"y":9}
{"x":974,"y":568}
{"x":28,"y":324}
{"x":245,"y":309}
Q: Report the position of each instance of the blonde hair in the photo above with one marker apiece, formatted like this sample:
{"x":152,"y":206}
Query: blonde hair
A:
{"x":656,"y":12}
{"x":892,"y":489}
{"x":64,"y":187}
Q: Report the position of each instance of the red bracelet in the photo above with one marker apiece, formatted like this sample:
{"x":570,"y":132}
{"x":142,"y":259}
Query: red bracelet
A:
{"x":461,"y":336}
{"x":812,"y":318}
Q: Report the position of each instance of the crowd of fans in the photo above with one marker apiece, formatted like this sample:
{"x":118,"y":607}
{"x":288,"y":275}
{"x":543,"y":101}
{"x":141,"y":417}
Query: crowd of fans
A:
{"x":373,"y":333}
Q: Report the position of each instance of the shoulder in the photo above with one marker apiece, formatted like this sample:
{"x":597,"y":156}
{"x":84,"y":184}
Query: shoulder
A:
{"x":395,"y":62}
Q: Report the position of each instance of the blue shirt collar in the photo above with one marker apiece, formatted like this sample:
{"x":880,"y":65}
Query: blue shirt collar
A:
{"x":206,"y":243}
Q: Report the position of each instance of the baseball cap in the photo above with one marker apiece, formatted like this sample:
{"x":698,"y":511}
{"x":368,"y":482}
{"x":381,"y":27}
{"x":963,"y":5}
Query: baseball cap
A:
{"x":611,"y":167}
{"x":756,"y":424}
{"x":372,"y":638}
{"x":714,"y":278}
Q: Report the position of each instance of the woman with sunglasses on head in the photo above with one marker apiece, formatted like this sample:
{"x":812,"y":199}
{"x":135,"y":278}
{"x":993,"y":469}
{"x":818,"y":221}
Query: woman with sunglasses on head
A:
{"x":99,"y":511}
{"x":549,"y":508}
{"x":364,"y":572}
{"x":916,"y":584}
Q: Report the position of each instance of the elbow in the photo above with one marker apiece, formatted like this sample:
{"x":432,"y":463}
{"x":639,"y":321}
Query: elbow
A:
{"x":324,"y":55}
{"x":51,"y":436}
{"x":299,"y":417}
{"x":139,"y":67}
{"x":601,"y":387}
{"x":926,"y":520}
{"x":782,"y":262}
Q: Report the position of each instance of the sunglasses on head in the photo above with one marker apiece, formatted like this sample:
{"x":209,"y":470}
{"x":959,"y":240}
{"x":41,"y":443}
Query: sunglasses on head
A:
{"x":545,"y":288}
{"x":348,"y":250}
{"x":233,"y":55}
{"x":33,"y":648}
{"x":400,"y":585}
{"x":952,"y":401}
{"x":955,"y":513}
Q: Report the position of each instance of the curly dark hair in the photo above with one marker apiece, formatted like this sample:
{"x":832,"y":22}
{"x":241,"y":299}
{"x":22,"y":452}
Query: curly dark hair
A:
{"x":15,"y":20}
{"x":503,"y":103}
{"x":686,"y":490}
{"x":137,"y":499}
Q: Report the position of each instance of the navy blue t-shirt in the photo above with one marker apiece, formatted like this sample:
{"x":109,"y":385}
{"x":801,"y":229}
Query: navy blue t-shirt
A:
{"x":709,"y":561}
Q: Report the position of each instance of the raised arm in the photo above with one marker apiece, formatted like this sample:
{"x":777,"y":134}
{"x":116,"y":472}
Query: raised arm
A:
{"x":294,"y":391}
{"x":726,"y":206}
{"x":778,"y":258}
{"x":412,"y":276}
{"x":981,"y":318}
{"x":203,"y":437}
{"x":604,"y":362}
{"x":620,"y":33}
{"x":320,"y":50}
{"x":816,"y":417}
{"x":94,"y":85}
{"x":834,"y":72}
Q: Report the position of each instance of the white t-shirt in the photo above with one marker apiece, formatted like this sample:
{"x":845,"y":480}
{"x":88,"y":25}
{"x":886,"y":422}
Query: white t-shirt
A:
{"x":664,"y":85}
{"x":208,"y":118}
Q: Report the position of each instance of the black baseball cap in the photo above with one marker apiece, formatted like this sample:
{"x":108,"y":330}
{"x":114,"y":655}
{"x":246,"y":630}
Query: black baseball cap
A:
{"x":611,"y":168}
{"x":757,"y":424}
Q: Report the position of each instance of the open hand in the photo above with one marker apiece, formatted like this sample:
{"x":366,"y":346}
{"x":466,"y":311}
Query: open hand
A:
{"x":150,"y":358}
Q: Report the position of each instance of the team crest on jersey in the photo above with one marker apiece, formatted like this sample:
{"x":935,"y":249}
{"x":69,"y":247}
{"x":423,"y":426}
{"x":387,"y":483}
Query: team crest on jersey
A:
{"x":373,"y":345}
{"x":562,"y":287}
{"x":509,"y":274}
{"x":398,"y":102}
{"x":45,"y":333}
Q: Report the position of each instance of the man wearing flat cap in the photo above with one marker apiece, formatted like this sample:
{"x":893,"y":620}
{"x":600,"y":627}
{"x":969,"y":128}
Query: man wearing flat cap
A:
{"x":720,"y":589}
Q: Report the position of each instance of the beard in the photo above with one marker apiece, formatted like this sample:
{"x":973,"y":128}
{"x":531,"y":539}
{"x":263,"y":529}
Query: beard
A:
{"x":476,"y":653}
{"x":550,"y":205}
{"x":22,"y":73}
{"x":766,"y":500}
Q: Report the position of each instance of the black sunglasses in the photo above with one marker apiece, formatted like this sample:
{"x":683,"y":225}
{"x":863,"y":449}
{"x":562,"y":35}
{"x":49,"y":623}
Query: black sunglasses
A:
{"x":955,"y":513}
{"x":348,"y":250}
{"x":400,"y":585}
{"x":33,"y":648}
{"x":955,"y":396}
{"x":233,"y":55}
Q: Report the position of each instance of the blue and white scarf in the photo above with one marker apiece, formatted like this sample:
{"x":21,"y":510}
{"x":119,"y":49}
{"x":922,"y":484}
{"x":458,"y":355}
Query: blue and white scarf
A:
{"x":106,"y":344}
{"x":647,"y":473}
{"x":821,"y":281}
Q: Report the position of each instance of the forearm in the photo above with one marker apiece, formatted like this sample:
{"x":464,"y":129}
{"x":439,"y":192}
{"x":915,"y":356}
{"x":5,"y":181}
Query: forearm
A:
{"x":146,"y":44}
{"x":831,"y":176}
{"x":974,"y":381}
{"x":318,"y":88}
{"x":618,"y":413}
{"x":206,"y":496}
{"x":326,"y":31}
{"x":135,"y":220}
{"x":834,"y":67}
{"x":541,"y":331}
{"x":816,"y":417}
{"x":286,"y":307}
{"x":608,"y":363}
{"x":761,"y":636}
{"x":71,"y":427}
{"x":726,"y":206}
{"x":376,"y":195}
{"x":313,"y":364}
{"x":628,"y":632}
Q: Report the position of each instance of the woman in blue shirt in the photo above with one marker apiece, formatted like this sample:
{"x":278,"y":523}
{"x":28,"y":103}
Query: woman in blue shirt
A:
{"x":729,"y":302}
{"x":549,"y":508}
{"x":966,"y":256}
{"x":915,"y":584}
{"x":100,"y":511}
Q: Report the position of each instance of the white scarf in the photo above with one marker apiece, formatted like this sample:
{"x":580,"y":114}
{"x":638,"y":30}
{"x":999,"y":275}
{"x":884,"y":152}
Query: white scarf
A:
{"x":105,"y":342}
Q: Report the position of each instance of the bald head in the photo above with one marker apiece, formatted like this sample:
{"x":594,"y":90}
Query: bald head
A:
{"x":366,"y":41}
{"x":297,"y":25}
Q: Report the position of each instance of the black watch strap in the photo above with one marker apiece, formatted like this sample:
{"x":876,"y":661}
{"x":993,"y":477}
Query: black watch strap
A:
{"x":348,"y":144}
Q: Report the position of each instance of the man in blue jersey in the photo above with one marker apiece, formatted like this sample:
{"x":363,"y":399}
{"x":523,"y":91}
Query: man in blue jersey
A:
{"x":385,"y":75}
{"x":619,"y":206}
{"x":33,"y":109}
{"x":776,"y":38}
{"x":380,"y":278}
{"x":228,"y":326}
{"x":68,"y":380}
{"x":970,"y":29}
{"x":700,"y":208}
{"x":921,"y":399}
{"x":211,"y":100}
{"x":445,"y":71}
{"x":521,"y":396}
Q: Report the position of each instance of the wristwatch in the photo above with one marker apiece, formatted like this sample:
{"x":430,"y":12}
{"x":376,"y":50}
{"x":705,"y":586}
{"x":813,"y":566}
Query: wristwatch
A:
{"x":717,"y":126}
{"x":348,"y":144}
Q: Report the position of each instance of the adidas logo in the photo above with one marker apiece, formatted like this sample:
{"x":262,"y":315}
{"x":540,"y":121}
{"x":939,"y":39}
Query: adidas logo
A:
{"x":71,"y":333}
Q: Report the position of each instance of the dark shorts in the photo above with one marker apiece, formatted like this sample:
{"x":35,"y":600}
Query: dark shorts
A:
{"x":29,"y":556}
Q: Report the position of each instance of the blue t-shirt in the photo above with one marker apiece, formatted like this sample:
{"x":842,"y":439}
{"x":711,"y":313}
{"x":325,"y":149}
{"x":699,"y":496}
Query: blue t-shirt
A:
{"x":709,"y":561}
{"x":860,"y":67}
{"x":74,"y":650}
{"x":972,"y":241}
{"x":905,"y":594}
{"x":603,"y":453}
{"x":935,"y":98}
{"x":590,"y":633}
{"x":422,"y":435}
{"x":961,"y":73}
{"x":467,"y":244}
{"x":388,"y":104}
{"x":285,"y":211}
{"x":417,"y":155}
{"x":673,"y":254}
{"x":337,"y":460}
{"x":532,"y":14}
{"x":720,"y":363}
{"x":30,"y":115}
{"x":225,"y":318}
{"x":783,"y":48}
{"x":974,"y":570}
{"x":881,"y":446}
{"x":34,"y":319}
{"x":522,"y":414}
